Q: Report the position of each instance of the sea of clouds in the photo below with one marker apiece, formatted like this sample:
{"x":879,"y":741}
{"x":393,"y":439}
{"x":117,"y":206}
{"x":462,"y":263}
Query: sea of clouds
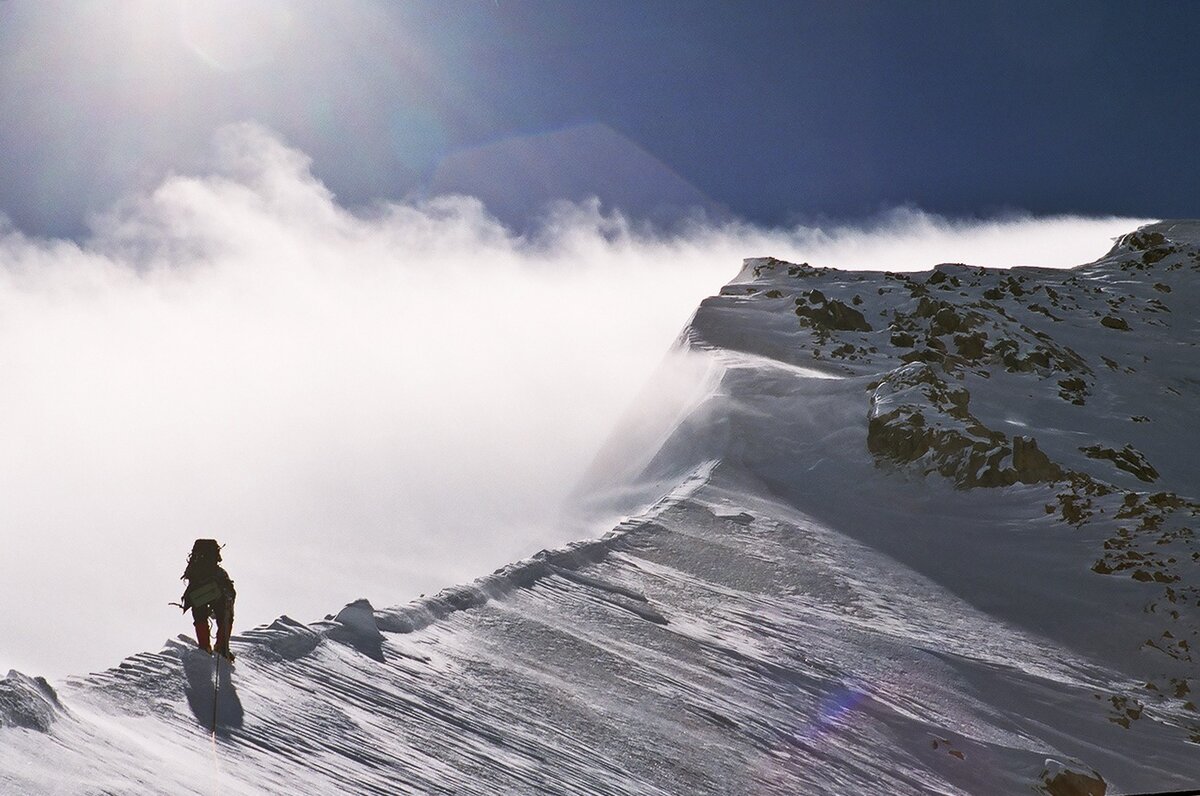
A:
{"x":370,"y":402}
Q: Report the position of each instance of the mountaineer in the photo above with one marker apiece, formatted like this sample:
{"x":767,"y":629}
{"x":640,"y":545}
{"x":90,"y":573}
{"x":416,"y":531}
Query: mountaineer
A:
{"x":209,"y":593}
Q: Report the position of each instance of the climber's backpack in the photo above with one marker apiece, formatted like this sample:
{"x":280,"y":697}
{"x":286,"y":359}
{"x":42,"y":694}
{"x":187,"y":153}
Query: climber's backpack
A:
{"x":204,"y":593}
{"x":206,"y":553}
{"x":201,"y":573}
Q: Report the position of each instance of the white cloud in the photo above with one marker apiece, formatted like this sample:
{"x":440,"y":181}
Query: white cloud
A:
{"x":359,"y":404}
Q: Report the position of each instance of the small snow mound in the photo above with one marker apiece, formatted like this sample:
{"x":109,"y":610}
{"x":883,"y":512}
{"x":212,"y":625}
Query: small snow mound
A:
{"x":27,"y":702}
{"x":1058,"y":779}
{"x":359,"y":616}
{"x":355,"y":627}
{"x":285,"y":637}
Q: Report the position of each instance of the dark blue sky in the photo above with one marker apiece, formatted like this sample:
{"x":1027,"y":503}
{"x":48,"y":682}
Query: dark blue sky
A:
{"x":776,"y":111}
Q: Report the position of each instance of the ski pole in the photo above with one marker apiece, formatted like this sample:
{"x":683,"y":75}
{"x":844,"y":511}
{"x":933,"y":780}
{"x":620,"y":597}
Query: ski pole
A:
{"x":216,"y":691}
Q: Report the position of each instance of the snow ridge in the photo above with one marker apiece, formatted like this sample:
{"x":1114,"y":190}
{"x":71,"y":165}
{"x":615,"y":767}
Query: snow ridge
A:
{"x":931,"y":534}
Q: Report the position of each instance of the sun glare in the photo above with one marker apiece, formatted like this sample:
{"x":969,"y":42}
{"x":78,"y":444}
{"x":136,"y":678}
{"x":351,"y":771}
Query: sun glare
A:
{"x":233,"y":35}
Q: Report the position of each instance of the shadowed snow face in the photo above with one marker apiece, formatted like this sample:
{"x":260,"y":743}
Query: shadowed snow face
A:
{"x":358,"y":404}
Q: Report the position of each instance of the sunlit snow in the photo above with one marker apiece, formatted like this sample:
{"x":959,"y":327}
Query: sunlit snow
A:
{"x":860,"y":584}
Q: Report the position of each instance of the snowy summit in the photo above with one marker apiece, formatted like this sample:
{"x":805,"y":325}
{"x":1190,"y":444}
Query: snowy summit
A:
{"x":920,"y":533}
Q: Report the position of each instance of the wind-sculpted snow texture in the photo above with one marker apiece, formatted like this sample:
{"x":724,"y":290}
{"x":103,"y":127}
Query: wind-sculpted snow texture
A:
{"x":932,"y":533}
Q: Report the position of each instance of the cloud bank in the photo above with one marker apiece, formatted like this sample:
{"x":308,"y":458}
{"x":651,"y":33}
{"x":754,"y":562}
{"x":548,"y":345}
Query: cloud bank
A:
{"x":373,"y":402}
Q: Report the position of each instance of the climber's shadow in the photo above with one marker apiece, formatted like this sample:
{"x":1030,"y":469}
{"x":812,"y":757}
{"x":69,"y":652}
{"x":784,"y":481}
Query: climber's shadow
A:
{"x":199,"y":671}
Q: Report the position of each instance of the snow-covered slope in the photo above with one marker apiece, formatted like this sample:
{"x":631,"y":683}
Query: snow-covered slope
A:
{"x":928,"y":533}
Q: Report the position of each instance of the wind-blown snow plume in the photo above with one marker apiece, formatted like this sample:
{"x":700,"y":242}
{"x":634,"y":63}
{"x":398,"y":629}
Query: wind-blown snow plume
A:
{"x":379,"y":400}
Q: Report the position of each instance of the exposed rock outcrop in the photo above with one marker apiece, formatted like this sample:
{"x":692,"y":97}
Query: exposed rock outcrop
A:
{"x":916,"y":417}
{"x":1060,"y":780}
{"x":830,"y":315}
{"x":1127,"y":459}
